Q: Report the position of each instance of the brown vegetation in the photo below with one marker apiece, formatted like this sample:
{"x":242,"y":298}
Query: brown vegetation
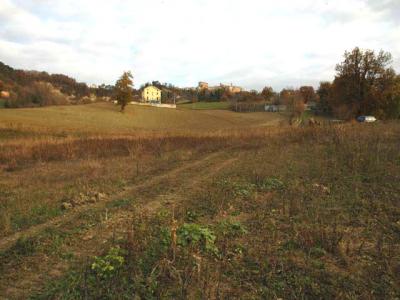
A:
{"x":318,"y":220}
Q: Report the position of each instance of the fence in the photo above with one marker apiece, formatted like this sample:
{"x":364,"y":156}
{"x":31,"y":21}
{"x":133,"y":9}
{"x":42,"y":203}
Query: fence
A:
{"x":163,"y":105}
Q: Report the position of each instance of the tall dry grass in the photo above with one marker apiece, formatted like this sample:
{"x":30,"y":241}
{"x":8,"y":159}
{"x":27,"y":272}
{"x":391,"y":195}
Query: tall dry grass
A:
{"x":46,"y":148}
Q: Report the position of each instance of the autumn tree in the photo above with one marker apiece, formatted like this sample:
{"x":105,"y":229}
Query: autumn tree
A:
{"x":124,"y":89}
{"x":286,"y":93}
{"x":268,"y":93}
{"x":364,"y":83}
{"x":226,"y":96}
{"x":391,"y":99}
{"x":308,"y":93}
{"x":324,"y":93}
{"x":294,"y":102}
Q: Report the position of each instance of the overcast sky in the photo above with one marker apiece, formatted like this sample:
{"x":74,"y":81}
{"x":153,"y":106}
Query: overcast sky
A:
{"x":251,"y":43}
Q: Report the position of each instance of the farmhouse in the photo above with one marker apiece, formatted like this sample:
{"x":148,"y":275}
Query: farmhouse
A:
{"x":151,"y":93}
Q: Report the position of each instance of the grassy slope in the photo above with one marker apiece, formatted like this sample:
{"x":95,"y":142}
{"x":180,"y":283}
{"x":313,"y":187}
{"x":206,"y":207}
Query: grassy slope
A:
{"x":104,"y":117}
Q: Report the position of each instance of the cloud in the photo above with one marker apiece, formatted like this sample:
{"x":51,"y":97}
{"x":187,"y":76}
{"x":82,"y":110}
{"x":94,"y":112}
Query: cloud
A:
{"x":250,"y":43}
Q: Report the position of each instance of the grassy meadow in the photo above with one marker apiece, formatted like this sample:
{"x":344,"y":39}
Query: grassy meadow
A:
{"x":196,"y":204}
{"x":106,"y":118}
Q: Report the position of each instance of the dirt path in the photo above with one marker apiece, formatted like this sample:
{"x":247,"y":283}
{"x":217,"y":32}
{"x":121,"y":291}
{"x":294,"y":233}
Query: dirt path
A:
{"x":8,"y":241}
{"x":36,"y":271}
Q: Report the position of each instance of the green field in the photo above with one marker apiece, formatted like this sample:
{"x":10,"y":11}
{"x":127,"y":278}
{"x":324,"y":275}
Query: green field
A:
{"x":205,"y":105}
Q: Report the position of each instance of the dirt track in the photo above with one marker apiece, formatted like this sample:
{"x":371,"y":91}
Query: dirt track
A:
{"x":33,"y":272}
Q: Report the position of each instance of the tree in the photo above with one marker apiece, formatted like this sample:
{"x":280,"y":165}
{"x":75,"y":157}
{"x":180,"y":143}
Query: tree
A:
{"x":124,"y":89}
{"x":308,"y":93}
{"x":104,"y":90}
{"x":391,"y":99}
{"x":286,"y":94}
{"x":226,"y":96}
{"x":294,"y":102}
{"x":363,"y":81}
{"x":267,"y":93}
{"x":324,"y":97}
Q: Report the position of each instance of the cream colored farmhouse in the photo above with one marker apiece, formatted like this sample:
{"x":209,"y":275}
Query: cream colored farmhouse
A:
{"x":151,"y":93}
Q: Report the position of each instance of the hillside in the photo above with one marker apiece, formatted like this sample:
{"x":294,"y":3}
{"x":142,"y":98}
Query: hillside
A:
{"x":39,"y":88}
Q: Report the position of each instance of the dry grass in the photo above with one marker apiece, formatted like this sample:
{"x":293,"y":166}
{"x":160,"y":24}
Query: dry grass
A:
{"x":106,"y":118}
{"x":295,"y":212}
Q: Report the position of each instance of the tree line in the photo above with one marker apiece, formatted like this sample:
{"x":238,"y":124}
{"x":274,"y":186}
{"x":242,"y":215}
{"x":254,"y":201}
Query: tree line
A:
{"x":364,"y":83}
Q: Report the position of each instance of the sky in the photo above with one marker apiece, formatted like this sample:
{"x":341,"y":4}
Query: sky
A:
{"x":250,"y":43}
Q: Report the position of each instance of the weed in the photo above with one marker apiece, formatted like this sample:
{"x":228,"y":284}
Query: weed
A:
{"x":236,"y":188}
{"x":231,"y":229}
{"x":107,"y":266}
{"x":317,"y":252}
{"x":270,"y":184}
{"x":195,"y":235}
{"x":191,"y":216}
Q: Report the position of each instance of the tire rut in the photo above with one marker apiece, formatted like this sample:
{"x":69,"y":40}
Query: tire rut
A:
{"x":8,"y":241}
{"x":95,"y":238}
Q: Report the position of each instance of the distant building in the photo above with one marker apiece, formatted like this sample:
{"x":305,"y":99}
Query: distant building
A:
{"x":4,"y":94}
{"x":274,"y":107}
{"x":203,"y":85}
{"x":151,"y":93}
{"x":230,"y":88}
{"x":311,"y":105}
{"x":271,"y":108}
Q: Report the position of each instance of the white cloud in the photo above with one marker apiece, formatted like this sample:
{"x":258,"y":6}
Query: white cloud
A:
{"x":251,"y":43}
